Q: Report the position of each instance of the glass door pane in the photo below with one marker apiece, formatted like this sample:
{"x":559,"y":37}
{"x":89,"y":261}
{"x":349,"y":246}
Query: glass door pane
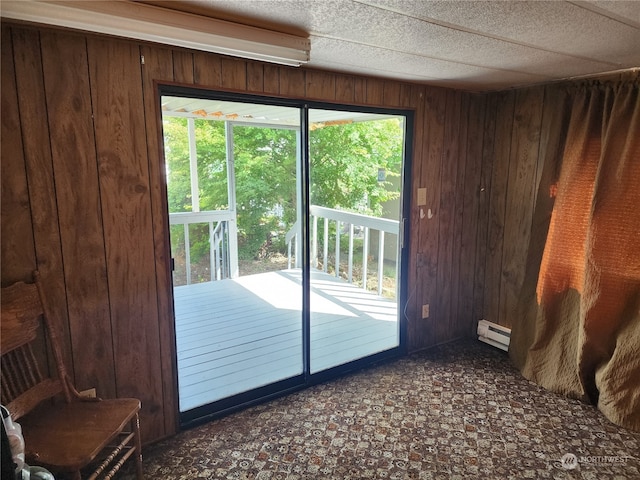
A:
{"x":233,"y":189}
{"x":355,"y":187}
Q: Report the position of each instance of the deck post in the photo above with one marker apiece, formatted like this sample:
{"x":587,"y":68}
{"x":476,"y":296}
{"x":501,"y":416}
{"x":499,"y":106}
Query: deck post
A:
{"x":314,"y":243}
{"x":234,"y":271}
{"x":365,"y":257}
{"x":299,"y":206}
{"x":193,"y":166}
{"x":212,"y":254}
{"x":380,"y":261}
{"x":338,"y":226}
{"x":187,"y":253}
{"x":325,"y":246}
{"x":350,"y":275}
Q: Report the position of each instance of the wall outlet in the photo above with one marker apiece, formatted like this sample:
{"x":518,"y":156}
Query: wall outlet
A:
{"x":425,"y":311}
{"x":89,"y":393}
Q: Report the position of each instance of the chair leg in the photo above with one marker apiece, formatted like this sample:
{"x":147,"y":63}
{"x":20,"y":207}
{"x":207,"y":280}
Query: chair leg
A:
{"x":138,"y":454}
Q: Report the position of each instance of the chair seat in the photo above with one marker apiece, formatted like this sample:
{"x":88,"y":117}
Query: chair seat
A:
{"x":67,"y":436}
{"x":77,"y":436}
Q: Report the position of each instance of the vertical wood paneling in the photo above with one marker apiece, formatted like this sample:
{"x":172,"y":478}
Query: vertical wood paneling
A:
{"x":428,"y":244}
{"x":271,"y":79}
{"x":414,"y":323}
{"x":391,"y":94}
{"x":345,"y":88}
{"x":234,"y":74}
{"x":18,"y":243}
{"x":446,"y":209}
{"x":183,"y":66}
{"x":116,"y":93}
{"x":292,"y":83}
{"x":553,"y":130}
{"x":157,"y":66}
{"x":44,"y":215}
{"x":255,"y":77}
{"x":374,"y":92}
{"x":470,"y":206}
{"x":72,"y":139}
{"x":406,"y":98}
{"x":360,"y":90}
{"x":18,"y":250}
{"x":520,"y":195}
{"x":488,"y":132}
{"x":524,"y":130}
{"x":497,"y":204}
{"x":320,"y":85}
{"x":207,"y":69}
{"x":458,"y":321}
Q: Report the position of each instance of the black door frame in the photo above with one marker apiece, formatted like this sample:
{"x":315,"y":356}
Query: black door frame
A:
{"x":237,"y":402}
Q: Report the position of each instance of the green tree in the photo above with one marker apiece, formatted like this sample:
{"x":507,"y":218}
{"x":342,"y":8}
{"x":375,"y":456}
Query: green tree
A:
{"x":345,"y":160}
{"x":212,"y":164}
{"x":265,"y":170}
{"x":176,"y":148}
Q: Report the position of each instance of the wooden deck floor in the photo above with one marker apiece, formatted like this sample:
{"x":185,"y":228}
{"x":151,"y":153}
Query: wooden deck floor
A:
{"x":236,"y":335}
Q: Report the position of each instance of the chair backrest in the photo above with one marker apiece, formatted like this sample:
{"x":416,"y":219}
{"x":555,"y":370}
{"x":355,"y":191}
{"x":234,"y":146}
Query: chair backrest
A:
{"x":26,"y":382}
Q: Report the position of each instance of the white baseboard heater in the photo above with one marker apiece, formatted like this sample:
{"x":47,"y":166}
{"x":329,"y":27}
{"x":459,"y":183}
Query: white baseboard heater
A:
{"x":494,"y":334}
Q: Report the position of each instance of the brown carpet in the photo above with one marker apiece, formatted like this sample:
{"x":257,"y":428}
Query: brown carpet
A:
{"x":456,"y":411}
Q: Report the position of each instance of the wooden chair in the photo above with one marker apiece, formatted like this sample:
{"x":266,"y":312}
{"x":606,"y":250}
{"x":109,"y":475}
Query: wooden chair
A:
{"x":69,"y":435}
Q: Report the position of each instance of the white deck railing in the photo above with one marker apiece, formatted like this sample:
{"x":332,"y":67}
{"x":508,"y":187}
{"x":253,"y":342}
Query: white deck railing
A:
{"x":351,"y":220}
{"x":222,"y":247}
{"x":219,"y":240}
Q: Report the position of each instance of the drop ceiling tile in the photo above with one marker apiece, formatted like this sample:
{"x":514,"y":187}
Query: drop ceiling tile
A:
{"x":366,"y":25}
{"x":481,"y":44}
{"x":555,"y":26}
{"x":624,"y":11}
{"x":341,"y":56}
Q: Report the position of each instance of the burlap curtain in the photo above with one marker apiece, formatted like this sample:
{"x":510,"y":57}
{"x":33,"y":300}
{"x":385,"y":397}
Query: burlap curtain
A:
{"x":577,"y":328}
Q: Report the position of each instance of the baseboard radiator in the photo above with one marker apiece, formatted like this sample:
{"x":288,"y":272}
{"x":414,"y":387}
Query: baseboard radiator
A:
{"x":494,"y":334}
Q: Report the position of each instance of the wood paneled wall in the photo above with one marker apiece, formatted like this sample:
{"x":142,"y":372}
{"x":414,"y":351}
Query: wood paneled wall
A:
{"x":83,"y":195}
{"x":444,"y":249}
{"x":509,"y":168}
{"x":520,"y":128}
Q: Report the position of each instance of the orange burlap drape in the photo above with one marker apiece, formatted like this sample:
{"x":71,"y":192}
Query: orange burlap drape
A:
{"x":577,"y":329}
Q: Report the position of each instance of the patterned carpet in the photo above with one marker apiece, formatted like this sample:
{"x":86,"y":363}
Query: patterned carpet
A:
{"x":454,"y":412}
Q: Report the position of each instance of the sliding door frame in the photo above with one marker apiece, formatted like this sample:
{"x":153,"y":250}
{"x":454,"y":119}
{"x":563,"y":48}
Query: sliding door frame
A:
{"x":236,"y":402}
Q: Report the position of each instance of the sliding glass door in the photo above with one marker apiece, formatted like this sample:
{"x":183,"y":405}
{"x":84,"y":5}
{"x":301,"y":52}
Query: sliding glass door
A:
{"x":356,"y":163}
{"x":285,"y":237}
{"x":233,"y":196}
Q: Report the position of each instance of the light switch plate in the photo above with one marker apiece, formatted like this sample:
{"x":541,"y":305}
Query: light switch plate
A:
{"x":422,"y":196}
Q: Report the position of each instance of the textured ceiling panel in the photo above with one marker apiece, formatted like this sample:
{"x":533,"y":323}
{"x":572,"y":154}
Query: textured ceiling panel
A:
{"x":475,"y":45}
{"x":623,"y":11}
{"x":554,"y":26}
{"x":340,"y":55}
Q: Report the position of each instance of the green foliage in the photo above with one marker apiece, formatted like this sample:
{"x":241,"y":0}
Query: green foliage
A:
{"x":265,"y":170}
{"x":176,"y":150}
{"x":212,"y":165}
{"x":345,"y":160}
{"x":212,"y":176}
